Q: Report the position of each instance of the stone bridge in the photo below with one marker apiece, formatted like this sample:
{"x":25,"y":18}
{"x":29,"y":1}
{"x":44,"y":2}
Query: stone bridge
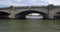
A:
{"x":49,"y":12}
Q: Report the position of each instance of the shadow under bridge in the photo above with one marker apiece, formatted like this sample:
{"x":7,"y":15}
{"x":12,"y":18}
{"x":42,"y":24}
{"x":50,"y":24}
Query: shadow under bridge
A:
{"x":22,"y":15}
{"x":4,"y":15}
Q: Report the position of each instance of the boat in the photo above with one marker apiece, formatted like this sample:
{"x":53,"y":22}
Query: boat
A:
{"x":34,"y":17}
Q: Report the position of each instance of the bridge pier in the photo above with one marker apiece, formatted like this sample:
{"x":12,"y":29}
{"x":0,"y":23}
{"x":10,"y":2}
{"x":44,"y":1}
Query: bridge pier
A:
{"x":50,"y":11}
{"x":50,"y":15}
{"x":12,"y":16}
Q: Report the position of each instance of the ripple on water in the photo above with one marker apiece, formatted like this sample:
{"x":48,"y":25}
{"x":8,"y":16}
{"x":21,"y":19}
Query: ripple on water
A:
{"x":29,"y":26}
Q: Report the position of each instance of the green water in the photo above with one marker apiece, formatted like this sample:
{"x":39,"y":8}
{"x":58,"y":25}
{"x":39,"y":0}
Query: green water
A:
{"x":29,"y":25}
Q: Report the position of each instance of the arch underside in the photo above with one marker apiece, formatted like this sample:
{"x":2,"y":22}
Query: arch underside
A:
{"x":4,"y":15}
{"x":24,"y":13}
{"x":57,"y":16}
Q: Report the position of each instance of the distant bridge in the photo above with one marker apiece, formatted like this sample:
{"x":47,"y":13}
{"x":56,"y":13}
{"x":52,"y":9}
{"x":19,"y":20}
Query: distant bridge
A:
{"x":48,"y":12}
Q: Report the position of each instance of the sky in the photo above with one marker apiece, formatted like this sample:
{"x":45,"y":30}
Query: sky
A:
{"x":5,"y":3}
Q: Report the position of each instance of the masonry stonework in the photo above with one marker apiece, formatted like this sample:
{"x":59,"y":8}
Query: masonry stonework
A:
{"x":49,"y":10}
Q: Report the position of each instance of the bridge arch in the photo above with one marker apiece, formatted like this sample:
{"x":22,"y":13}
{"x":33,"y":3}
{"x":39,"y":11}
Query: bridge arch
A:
{"x":22,"y":15}
{"x":58,"y":13}
{"x":57,"y":16}
{"x":4,"y":15}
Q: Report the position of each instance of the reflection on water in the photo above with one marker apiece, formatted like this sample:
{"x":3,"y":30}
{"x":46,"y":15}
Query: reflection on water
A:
{"x":29,"y":25}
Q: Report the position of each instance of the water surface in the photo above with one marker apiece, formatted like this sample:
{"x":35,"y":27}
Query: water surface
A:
{"x":29,"y":25}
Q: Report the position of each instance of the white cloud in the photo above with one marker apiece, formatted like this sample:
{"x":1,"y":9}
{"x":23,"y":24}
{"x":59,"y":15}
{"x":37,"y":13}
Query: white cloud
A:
{"x":39,"y":2}
{"x":17,"y":0}
{"x":55,"y":2}
{"x":32,"y":2}
{"x":10,"y":2}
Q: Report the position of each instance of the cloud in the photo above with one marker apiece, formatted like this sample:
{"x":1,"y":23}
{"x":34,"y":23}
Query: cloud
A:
{"x":55,"y":2}
{"x":9,"y":2}
{"x":32,"y":1}
{"x":17,"y":0}
{"x":21,"y":2}
{"x":39,"y":2}
{"x":28,"y":2}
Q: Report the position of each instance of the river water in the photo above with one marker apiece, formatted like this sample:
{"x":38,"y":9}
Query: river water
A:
{"x":29,"y":25}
